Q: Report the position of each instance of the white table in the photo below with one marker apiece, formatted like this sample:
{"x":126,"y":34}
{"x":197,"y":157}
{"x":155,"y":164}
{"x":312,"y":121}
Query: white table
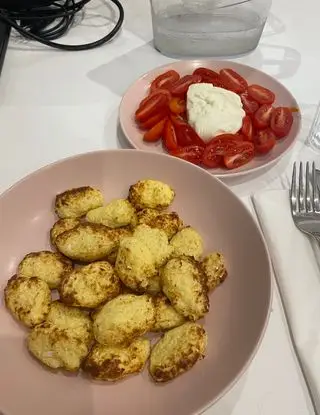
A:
{"x":55,"y":104}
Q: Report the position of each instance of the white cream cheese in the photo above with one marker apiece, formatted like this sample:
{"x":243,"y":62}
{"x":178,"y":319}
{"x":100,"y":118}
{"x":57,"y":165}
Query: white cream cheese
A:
{"x":213,"y":111}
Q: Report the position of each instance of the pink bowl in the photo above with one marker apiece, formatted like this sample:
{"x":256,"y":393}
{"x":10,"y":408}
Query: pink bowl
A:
{"x":139,"y":89}
{"x":239,"y":308}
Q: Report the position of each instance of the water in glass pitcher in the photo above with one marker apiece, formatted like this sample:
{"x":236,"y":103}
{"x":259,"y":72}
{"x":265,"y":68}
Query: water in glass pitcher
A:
{"x":178,"y":31}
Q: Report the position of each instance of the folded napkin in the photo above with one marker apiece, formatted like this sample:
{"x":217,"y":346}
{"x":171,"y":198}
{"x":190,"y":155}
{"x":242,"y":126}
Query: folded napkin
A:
{"x":296,"y":260}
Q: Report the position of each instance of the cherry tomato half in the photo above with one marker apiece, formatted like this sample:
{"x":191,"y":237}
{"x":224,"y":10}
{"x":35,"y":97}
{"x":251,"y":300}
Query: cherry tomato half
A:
{"x":260,"y":94}
{"x":165,"y":80}
{"x":244,"y":153}
{"x":221,"y":145}
{"x":178,"y":120}
{"x":262,"y":117}
{"x":264,"y":141}
{"x":155,"y":133}
{"x":211,"y":160}
{"x":249,"y":105}
{"x":186,"y":136}
{"x":233,"y":80}
{"x":181,"y":87}
{"x":151,"y":106}
{"x":281,"y":121}
{"x":193,"y":154}
{"x":177,"y":105}
{"x":206,"y":73}
{"x":157,"y":92}
{"x":152,"y":121}
{"x":247,"y":128}
{"x":169,"y":137}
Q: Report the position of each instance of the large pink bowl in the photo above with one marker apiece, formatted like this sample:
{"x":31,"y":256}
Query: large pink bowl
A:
{"x":139,"y":89}
{"x":239,"y":308}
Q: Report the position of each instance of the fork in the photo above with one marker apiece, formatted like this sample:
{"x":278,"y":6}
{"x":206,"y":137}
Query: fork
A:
{"x":305,"y":200}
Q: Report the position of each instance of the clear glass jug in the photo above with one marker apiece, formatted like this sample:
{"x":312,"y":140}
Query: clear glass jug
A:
{"x":208,"y":27}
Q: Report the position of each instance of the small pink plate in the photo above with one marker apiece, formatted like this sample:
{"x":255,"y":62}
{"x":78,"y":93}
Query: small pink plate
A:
{"x":239,"y":309}
{"x":139,"y":89}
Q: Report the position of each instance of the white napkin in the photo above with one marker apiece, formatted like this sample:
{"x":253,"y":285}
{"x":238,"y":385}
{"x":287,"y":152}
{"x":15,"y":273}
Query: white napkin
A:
{"x":295,"y":259}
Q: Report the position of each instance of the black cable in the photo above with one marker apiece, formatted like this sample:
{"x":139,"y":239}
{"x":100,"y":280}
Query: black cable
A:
{"x":47,"y":23}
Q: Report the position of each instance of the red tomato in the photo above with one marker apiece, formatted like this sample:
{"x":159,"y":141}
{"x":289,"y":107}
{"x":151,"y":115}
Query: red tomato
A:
{"x":233,"y":80}
{"x":178,"y":120}
{"x":192,"y":154}
{"x":221,"y":145}
{"x":152,"y":105}
{"x":281,"y":121}
{"x":186,"y":136}
{"x":157,"y":92}
{"x":181,"y":87}
{"x":152,"y":121}
{"x":165,"y":80}
{"x":261,"y":94}
{"x":177,"y":105}
{"x":215,"y":81}
{"x":169,"y":136}
{"x":262,"y":117}
{"x":244,"y":153}
{"x":249,"y":105}
{"x":247,"y":128}
{"x":264,"y":141}
{"x":206,"y":73}
{"x":155,"y":133}
{"x":211,"y":160}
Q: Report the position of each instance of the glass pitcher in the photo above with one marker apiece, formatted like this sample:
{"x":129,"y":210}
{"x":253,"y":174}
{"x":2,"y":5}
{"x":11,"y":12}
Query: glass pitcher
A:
{"x":208,"y":27}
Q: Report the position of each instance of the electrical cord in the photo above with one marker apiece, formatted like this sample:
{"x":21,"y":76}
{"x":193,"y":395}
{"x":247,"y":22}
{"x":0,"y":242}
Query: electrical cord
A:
{"x":47,"y":23}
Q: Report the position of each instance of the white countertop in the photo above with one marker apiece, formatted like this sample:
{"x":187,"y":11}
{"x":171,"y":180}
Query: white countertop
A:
{"x":55,"y":104}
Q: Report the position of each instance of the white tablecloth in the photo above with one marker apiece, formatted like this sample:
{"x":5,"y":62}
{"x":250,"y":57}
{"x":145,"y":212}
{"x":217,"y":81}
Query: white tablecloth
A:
{"x":55,"y":104}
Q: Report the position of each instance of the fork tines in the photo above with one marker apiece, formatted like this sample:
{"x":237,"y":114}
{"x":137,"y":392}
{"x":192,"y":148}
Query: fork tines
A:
{"x":304,"y":193}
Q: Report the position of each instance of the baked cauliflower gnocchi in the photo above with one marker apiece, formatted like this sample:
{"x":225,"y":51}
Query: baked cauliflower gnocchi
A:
{"x":122,"y":268}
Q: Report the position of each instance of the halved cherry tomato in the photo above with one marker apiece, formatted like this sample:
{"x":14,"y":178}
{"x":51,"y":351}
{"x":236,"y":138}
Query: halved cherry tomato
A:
{"x":152,"y":105}
{"x":244,"y":153}
{"x":152,"y":121}
{"x":181,"y":86}
{"x":178,"y":120}
{"x":193,"y":154}
{"x":186,"y":136}
{"x":247,"y":128}
{"x":233,"y":80}
{"x":262,"y":117}
{"x":206,"y":73}
{"x":156,"y":92}
{"x":155,"y":133}
{"x":249,"y":105}
{"x":261,"y":95}
{"x":264,"y":141}
{"x":165,"y":80}
{"x":281,"y":121}
{"x":221,"y":145}
{"x":169,"y":137}
{"x":214,"y":80}
{"x":211,"y":160}
{"x":177,"y":105}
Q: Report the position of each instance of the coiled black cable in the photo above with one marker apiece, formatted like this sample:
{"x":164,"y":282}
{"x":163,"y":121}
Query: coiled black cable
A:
{"x":50,"y":20}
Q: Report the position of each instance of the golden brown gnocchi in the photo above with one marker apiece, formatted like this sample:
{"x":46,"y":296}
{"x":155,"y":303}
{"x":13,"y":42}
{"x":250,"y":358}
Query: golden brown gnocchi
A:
{"x":123,"y":319}
{"x":184,"y":285}
{"x":113,"y":363}
{"x":90,"y":286}
{"x":86,"y":242}
{"x":177,"y":351}
{"x":75,"y":203}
